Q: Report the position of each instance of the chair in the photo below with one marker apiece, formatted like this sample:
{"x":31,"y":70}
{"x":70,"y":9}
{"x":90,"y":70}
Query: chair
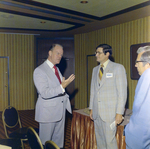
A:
{"x":51,"y":145}
{"x":33,"y":139}
{"x":12,"y":125}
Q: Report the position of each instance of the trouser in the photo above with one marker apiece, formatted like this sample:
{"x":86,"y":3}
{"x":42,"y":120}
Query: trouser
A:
{"x":105,"y":136}
{"x":53,"y":131}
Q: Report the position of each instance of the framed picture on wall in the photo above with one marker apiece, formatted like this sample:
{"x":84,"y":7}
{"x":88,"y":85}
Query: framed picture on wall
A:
{"x":133,"y":55}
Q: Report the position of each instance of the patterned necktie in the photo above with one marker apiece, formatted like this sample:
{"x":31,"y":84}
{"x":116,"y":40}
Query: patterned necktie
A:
{"x":56,"y":73}
{"x":101,"y":72}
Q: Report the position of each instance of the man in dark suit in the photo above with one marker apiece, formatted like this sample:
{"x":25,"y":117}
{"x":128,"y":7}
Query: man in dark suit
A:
{"x":107,"y":97}
{"x":52,"y":100}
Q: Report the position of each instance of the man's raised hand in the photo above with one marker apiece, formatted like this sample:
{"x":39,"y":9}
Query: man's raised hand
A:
{"x":66,"y":82}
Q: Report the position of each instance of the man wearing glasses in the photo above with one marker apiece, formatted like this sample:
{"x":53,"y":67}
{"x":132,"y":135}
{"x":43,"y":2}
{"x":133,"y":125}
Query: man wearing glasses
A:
{"x":107,"y":97}
{"x":137,"y":131}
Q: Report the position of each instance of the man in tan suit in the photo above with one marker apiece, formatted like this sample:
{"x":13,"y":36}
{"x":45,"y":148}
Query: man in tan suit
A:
{"x":107,"y":97}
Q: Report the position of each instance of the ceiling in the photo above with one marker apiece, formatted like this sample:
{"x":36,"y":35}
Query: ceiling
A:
{"x":64,"y":18}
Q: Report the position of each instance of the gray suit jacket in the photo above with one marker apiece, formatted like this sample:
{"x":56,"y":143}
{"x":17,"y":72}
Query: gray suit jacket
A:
{"x":48,"y":86}
{"x":111,"y":93}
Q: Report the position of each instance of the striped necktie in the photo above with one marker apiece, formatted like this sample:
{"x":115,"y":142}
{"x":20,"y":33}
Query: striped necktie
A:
{"x":101,"y":71}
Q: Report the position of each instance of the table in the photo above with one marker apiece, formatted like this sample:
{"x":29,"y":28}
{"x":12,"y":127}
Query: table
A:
{"x":11,"y":143}
{"x":83,"y":134}
{"x":5,"y":147}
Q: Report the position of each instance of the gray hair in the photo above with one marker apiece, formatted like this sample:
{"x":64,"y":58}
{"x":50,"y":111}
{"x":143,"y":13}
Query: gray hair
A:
{"x":146,"y":55}
{"x":54,"y":45}
{"x":142,"y":49}
{"x":52,"y":48}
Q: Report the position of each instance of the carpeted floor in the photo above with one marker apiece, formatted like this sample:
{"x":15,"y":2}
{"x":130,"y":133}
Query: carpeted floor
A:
{"x":27,"y":119}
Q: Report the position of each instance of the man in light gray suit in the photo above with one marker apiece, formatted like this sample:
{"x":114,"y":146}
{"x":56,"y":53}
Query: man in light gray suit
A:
{"x":107,"y":97}
{"x":52,"y":100}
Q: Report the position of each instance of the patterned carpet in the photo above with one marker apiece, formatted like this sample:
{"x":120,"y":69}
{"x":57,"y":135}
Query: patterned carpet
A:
{"x":27,"y":119}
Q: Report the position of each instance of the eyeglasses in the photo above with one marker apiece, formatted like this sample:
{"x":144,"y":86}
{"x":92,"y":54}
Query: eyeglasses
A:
{"x":139,"y":61}
{"x":98,"y":53}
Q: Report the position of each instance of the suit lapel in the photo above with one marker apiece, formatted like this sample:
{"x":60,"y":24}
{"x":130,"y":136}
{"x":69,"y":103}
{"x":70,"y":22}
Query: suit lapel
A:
{"x":107,"y":70}
{"x":50,"y":72}
{"x":97,"y":75}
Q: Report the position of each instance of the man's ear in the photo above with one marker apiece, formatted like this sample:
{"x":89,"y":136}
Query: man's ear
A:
{"x":147,"y":65}
{"x":50,"y":53}
{"x":107,"y":54}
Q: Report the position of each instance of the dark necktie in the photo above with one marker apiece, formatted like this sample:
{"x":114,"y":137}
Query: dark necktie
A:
{"x":56,"y":73}
{"x":101,"y":72}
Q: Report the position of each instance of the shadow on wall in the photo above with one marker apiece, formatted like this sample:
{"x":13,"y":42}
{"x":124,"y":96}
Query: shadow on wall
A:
{"x":62,"y":66}
{"x":70,"y":90}
{"x":127,"y":102}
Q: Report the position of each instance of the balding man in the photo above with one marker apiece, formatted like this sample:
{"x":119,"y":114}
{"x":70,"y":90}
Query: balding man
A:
{"x":52,"y":100}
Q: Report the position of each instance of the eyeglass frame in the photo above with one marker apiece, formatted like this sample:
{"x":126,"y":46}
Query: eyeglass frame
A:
{"x":97,"y":52}
{"x":140,"y":61}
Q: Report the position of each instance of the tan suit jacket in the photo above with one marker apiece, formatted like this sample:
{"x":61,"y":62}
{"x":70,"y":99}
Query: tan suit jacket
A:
{"x":111,"y":94}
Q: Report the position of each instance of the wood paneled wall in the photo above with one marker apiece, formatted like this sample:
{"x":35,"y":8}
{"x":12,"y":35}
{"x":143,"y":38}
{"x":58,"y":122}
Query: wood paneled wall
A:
{"x":120,"y":37}
{"x":21,"y":52}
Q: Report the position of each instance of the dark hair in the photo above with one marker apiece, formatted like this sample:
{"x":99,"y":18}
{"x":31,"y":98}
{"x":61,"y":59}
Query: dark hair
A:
{"x":106,"y":48}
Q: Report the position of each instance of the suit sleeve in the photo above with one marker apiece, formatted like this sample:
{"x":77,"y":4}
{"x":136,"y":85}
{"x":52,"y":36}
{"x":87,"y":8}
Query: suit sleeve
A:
{"x":92,"y":91}
{"x":46,"y":86}
{"x":121,"y":86}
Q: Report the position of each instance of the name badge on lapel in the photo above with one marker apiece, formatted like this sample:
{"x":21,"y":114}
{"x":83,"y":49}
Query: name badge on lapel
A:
{"x":109,"y":75}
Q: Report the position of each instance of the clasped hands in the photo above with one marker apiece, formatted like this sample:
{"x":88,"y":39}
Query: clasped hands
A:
{"x":66,"y":82}
{"x":119,"y":118}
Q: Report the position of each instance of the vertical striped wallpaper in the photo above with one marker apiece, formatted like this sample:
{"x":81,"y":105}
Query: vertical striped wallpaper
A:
{"x":3,"y":82}
{"x":120,"y":37}
{"x":21,"y":52}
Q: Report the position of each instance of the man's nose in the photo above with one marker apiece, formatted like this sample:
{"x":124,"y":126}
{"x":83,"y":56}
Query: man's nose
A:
{"x":96,"y":54}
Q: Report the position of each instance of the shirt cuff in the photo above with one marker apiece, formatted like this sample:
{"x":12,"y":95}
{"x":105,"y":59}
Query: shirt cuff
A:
{"x":62,"y":88}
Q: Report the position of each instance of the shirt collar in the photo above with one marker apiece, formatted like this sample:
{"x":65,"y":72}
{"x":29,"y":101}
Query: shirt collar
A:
{"x":105,"y":64}
{"x":50,"y":64}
